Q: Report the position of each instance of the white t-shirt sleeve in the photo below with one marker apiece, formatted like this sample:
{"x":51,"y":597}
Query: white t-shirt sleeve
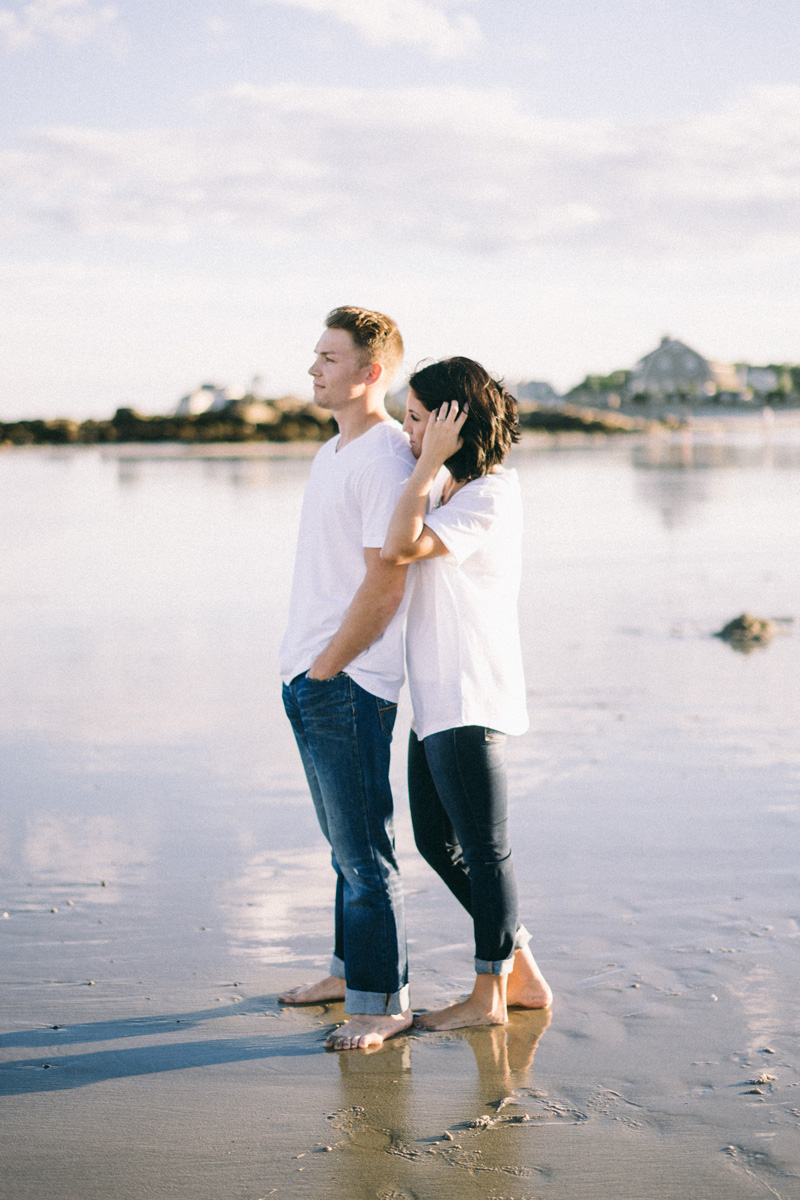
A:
{"x":380,"y":486}
{"x":466,"y":519}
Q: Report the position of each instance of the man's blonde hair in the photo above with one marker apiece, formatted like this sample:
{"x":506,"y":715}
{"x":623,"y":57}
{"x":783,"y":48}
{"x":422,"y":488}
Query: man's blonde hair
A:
{"x":375,"y":335}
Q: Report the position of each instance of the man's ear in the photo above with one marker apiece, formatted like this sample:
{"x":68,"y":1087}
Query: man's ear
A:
{"x":376,"y":372}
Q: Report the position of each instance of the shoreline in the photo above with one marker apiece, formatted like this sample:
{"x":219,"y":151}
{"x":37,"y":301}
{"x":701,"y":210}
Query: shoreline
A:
{"x":300,"y":428}
{"x":702,"y":424}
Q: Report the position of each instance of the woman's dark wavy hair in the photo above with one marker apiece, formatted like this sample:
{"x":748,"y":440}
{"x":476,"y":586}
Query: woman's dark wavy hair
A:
{"x":491,"y":427}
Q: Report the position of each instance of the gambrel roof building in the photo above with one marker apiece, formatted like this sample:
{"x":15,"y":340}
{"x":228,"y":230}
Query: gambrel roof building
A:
{"x":675,"y":370}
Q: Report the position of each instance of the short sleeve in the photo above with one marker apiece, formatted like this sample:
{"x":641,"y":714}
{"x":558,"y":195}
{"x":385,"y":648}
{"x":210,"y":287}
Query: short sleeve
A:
{"x":467,"y":518}
{"x":380,"y":486}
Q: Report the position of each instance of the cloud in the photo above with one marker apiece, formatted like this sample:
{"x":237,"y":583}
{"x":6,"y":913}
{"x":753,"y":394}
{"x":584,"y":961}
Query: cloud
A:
{"x":70,"y":22}
{"x":423,"y":23}
{"x":458,"y":168}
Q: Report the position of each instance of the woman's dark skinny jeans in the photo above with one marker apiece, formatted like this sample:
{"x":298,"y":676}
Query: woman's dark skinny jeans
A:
{"x":459,"y":808}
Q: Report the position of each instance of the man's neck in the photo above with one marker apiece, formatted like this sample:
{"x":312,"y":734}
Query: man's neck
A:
{"x":354,"y":421}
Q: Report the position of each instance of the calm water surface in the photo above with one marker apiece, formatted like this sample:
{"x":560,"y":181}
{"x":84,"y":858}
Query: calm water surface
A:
{"x":144,"y":743}
{"x":156,"y":838}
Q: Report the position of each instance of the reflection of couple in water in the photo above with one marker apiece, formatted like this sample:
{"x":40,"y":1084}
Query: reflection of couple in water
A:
{"x":503,"y":1053}
{"x":397,"y":1130}
{"x":419,"y":527}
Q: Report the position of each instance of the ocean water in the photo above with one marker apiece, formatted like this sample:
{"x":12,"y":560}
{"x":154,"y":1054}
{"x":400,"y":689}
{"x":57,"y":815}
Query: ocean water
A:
{"x":142,"y":605}
{"x":159,"y":853}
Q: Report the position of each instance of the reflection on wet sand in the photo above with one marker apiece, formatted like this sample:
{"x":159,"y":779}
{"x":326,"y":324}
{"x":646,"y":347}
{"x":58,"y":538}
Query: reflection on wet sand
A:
{"x":77,"y":848}
{"x":278,"y":908}
{"x":394,"y":1132}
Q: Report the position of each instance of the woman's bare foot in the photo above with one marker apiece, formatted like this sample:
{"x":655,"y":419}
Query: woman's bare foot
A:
{"x":486,"y":1005}
{"x":365,"y":1031}
{"x":504,"y":1053}
{"x":330,"y":988}
{"x":459,"y":1016}
{"x":527,"y":986}
{"x":525,"y":1030}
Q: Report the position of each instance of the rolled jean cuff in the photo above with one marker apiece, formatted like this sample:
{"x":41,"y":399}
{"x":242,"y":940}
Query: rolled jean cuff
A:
{"x":337,"y":968}
{"x":521,"y":937}
{"x":503,"y":966}
{"x":389,"y":1003}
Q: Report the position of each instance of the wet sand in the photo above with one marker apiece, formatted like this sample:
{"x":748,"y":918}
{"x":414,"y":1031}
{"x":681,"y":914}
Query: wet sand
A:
{"x":152,"y":799}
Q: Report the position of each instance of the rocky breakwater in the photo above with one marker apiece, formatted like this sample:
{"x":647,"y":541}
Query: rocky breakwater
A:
{"x":287,"y":419}
{"x":575,"y":418}
{"x":284,"y":420}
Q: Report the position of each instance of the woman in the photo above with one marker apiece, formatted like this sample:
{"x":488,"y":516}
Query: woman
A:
{"x":464,"y":525}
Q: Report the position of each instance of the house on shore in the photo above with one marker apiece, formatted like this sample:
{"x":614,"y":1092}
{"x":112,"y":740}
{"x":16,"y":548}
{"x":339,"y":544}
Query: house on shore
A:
{"x":673,"y":371}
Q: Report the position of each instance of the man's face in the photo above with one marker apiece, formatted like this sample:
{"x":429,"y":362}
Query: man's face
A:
{"x":339,"y":371}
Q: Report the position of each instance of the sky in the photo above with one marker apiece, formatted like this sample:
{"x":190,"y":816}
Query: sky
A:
{"x":549,"y":186}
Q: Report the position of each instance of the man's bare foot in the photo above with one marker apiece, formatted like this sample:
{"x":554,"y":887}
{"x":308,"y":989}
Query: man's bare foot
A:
{"x":331,"y":988}
{"x":486,"y":1005}
{"x":527,"y":986}
{"x":365,"y":1031}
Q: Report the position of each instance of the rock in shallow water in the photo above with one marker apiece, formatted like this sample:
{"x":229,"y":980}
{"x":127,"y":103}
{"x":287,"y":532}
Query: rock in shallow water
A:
{"x":746,"y":631}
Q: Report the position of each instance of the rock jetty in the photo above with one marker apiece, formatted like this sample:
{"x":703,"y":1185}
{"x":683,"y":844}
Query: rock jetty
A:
{"x":288,"y":419}
{"x":576,"y":418}
{"x":285,"y":420}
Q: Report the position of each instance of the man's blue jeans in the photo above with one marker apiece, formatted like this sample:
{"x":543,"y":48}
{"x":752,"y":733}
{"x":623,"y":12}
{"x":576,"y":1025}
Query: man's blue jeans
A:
{"x":344,"y":735}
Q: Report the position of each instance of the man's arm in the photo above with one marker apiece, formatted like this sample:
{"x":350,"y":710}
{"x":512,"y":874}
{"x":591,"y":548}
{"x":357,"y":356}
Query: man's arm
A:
{"x":370,"y":611}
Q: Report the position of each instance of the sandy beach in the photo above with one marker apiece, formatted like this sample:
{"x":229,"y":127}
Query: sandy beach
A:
{"x":162,"y":876}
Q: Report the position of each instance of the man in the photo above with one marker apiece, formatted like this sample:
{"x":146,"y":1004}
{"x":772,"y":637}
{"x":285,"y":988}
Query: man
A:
{"x":342,"y":670}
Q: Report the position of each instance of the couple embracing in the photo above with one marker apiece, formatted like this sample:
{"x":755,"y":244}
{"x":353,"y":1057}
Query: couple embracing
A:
{"x":416,"y":527}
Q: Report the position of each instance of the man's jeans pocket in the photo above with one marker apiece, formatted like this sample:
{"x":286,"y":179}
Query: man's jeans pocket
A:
{"x":387,"y":715}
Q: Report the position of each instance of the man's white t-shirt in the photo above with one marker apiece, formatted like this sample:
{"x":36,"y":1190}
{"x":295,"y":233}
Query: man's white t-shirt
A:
{"x":463,"y":649}
{"x":350,"y":496}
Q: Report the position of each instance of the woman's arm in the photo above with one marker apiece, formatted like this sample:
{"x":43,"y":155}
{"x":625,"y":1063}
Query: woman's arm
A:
{"x":408,"y":539}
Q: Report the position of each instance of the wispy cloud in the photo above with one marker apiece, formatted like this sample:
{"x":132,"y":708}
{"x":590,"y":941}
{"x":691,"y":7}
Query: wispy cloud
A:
{"x":446,"y":167}
{"x":70,"y":22}
{"x":440,"y":27}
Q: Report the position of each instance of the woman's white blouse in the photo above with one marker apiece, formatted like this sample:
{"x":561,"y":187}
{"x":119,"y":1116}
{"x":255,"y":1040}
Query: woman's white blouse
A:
{"x":463,"y":649}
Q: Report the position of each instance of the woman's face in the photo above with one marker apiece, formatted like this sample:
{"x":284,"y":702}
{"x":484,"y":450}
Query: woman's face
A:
{"x":416,"y":419}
